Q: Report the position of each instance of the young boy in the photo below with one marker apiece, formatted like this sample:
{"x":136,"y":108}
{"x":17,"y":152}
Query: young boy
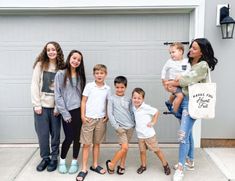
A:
{"x":146,"y":117}
{"x":173,"y":68}
{"x":122,"y":119}
{"x":94,"y":118}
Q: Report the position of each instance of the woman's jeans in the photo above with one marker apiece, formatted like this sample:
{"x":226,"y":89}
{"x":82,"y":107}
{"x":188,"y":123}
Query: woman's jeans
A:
{"x":185,"y":136}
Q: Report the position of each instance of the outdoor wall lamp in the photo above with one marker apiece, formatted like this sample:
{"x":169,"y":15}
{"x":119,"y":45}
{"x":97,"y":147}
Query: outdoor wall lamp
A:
{"x":225,"y":21}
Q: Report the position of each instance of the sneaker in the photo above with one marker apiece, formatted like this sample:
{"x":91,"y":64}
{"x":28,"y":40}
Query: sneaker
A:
{"x":62,"y":168}
{"x":43,"y":164}
{"x":169,"y":105}
{"x":178,"y":176}
{"x":189,"y":165}
{"x":176,"y":167}
{"x":52,"y":165}
{"x":73,"y":168}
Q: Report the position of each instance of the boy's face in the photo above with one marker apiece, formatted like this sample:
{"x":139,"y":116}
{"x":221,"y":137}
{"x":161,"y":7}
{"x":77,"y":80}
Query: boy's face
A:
{"x":137,"y":99}
{"x":120,"y":89}
{"x":176,"y":54}
{"x":99,"y":76}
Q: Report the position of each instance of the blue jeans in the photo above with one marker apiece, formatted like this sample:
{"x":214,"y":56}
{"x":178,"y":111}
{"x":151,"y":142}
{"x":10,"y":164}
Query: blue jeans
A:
{"x":185,"y":136}
{"x":47,"y":127}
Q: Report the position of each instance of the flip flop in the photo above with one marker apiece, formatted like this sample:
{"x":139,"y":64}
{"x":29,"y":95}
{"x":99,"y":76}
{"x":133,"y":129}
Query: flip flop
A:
{"x":120,"y":170}
{"x":82,"y":175}
{"x":108,"y":169}
{"x":97,"y":169}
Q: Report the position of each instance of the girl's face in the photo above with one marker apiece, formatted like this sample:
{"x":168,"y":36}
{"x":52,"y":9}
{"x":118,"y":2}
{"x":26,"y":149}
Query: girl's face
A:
{"x":195,"y":51}
{"x":75,"y":60}
{"x":176,"y":54}
{"x":51,"y":51}
{"x":137,"y":99}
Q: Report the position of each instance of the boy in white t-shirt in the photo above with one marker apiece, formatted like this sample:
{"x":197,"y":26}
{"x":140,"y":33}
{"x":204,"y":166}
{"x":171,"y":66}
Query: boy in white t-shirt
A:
{"x":146,"y":117}
{"x":172,"y":70}
{"x":94,"y":119}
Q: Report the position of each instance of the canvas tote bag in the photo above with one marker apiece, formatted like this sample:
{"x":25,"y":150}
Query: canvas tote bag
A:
{"x":202,"y":99}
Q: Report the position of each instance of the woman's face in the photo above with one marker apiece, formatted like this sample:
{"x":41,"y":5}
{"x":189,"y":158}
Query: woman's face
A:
{"x":195,"y":51}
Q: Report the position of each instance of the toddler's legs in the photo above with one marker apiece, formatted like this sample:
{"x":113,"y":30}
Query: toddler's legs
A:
{"x":178,"y":100}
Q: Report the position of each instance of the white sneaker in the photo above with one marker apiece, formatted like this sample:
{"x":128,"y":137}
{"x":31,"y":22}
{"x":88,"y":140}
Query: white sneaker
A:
{"x":189,"y":165}
{"x":178,"y":176}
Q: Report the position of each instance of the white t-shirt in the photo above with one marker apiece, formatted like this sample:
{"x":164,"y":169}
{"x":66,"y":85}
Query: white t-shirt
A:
{"x":143,"y":115}
{"x":96,"y":100}
{"x":172,"y":68}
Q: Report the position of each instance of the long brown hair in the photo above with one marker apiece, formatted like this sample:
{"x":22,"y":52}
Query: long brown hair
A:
{"x":80,"y":70}
{"x":44,"y":59}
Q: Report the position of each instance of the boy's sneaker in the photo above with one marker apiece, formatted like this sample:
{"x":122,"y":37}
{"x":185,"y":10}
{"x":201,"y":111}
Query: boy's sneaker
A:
{"x":62,"y":168}
{"x":73,"y":168}
{"x":178,"y":176}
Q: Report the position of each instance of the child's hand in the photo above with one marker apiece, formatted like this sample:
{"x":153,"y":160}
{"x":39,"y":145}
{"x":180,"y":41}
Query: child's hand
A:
{"x":105,"y":119}
{"x":85,"y":120}
{"x":56,"y":114}
{"x":120,"y":130}
{"x":38,"y":110}
{"x":68,"y":120}
{"x":150,"y":124}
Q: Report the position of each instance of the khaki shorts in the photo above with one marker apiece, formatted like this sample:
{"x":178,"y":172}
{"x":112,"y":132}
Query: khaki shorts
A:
{"x":126,"y":136}
{"x":93,"y":132}
{"x":148,"y":143}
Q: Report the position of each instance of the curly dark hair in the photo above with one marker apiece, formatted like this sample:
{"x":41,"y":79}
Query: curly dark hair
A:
{"x":44,"y":59}
{"x":207,"y":52}
{"x":80,"y":70}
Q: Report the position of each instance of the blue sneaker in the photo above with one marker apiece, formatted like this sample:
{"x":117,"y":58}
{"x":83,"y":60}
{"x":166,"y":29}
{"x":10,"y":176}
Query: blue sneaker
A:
{"x":169,"y":106}
{"x":62,"y":168}
{"x":73,"y":168}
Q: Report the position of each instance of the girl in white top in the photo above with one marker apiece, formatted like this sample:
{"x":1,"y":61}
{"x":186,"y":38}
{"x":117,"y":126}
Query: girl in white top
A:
{"x":146,"y":117}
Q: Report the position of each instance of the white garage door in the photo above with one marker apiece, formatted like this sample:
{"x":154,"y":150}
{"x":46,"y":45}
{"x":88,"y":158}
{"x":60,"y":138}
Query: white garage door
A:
{"x":129,"y":44}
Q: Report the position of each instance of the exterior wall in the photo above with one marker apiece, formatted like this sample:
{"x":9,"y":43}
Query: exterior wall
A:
{"x":224,"y":123}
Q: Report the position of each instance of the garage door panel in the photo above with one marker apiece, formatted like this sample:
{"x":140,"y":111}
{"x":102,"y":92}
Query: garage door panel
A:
{"x":128,"y":44}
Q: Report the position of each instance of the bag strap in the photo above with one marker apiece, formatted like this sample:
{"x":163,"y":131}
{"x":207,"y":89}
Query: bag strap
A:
{"x":209,"y":75}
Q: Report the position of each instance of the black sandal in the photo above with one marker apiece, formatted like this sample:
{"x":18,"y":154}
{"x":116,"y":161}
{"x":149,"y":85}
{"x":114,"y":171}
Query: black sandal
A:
{"x":120,"y":170}
{"x":141,"y":169}
{"x":110,"y":171}
{"x":167,"y":169}
{"x":82,"y":175}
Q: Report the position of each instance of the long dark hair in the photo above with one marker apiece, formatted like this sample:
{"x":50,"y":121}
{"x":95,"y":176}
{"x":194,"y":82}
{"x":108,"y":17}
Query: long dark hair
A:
{"x":207,"y":52}
{"x":44,"y":59}
{"x":80,"y":70}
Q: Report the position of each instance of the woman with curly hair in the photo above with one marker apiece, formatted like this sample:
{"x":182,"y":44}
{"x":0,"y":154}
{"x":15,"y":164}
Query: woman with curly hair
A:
{"x":46,"y":117}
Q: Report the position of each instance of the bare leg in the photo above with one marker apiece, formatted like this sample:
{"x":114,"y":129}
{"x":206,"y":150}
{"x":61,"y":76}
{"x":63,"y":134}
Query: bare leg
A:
{"x":96,"y":154}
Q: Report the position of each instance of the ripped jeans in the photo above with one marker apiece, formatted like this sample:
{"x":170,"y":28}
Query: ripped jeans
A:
{"x":186,"y":148}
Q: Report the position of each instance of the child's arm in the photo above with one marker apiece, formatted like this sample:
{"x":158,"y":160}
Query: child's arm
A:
{"x":106,"y":110}
{"x":154,"y":119}
{"x":83,"y":109}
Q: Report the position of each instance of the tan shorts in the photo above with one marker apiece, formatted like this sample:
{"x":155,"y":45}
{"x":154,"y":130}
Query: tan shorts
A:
{"x":126,"y":136}
{"x":148,"y":143}
{"x":93,"y":132}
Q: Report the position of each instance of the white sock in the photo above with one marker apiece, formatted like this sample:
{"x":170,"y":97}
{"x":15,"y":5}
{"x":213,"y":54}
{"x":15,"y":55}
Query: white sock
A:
{"x":62,"y":161}
{"x":74,"y":161}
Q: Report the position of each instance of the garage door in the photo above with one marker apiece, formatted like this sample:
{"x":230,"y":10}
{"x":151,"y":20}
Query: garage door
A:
{"x":129,"y":44}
